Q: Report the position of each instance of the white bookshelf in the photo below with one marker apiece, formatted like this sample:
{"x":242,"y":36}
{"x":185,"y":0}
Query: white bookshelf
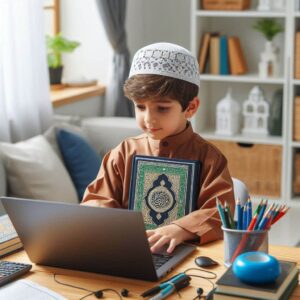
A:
{"x":214,"y":87}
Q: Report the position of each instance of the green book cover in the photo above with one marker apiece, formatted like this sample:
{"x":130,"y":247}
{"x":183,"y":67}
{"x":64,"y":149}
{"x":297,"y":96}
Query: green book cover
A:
{"x":163,"y":189}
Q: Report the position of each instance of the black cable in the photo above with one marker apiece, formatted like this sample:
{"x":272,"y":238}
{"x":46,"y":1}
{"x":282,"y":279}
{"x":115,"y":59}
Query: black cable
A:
{"x":84,"y":289}
{"x":203,"y":277}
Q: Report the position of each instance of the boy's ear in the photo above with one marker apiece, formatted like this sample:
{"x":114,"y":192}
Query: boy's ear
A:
{"x":192,"y":107}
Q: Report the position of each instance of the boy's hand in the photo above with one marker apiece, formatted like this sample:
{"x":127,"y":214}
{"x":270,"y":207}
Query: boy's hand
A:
{"x":171,"y":234}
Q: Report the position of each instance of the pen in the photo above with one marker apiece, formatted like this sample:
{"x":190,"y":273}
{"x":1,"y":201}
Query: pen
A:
{"x":179,"y":281}
{"x":170,"y":287}
{"x":164,"y":293}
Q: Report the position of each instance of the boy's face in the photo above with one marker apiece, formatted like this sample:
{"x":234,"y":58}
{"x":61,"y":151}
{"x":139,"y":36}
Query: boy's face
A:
{"x":163,"y":117}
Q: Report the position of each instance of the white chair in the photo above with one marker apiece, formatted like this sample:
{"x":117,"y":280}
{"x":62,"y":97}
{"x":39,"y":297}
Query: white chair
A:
{"x":240,"y":192}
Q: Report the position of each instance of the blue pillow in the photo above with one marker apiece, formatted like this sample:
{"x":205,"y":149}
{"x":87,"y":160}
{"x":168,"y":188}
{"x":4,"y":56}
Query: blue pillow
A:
{"x":80,"y":158}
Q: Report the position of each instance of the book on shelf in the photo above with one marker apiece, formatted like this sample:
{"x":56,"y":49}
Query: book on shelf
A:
{"x":237,"y":61}
{"x":214,"y":55}
{"x":163,"y":189}
{"x":297,"y":55}
{"x":229,"y":285}
{"x":203,"y":52}
{"x":224,"y":67}
{"x":9,"y":240}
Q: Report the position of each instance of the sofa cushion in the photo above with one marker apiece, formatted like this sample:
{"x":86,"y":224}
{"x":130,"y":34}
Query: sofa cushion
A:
{"x":2,"y":177}
{"x":80,"y":158}
{"x":34,"y":171}
{"x":50,"y":135}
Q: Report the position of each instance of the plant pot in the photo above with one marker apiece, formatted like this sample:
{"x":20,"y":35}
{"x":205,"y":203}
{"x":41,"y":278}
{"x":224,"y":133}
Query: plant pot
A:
{"x":55,"y":75}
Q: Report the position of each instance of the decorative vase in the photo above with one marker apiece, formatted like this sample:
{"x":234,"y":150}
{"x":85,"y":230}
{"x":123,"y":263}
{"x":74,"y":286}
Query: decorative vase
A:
{"x":268,"y":65}
{"x":264,"y":5}
{"x":275,"y":118}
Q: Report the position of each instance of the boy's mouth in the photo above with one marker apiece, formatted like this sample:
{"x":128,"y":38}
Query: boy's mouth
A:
{"x":153,"y":129}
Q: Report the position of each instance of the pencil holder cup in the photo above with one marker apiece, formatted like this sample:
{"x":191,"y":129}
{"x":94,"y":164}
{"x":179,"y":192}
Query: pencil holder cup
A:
{"x":237,"y":242}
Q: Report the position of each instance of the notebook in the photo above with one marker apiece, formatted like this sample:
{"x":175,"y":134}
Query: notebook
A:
{"x":102,"y":240}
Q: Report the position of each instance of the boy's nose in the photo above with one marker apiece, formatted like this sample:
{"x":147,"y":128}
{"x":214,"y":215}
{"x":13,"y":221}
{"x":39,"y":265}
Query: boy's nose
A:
{"x":149,"y":118}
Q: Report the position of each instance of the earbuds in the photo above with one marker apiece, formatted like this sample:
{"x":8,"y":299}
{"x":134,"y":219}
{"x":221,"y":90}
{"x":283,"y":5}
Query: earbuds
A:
{"x":199,"y":293}
{"x":99,"y":294}
{"x":124,"y":292}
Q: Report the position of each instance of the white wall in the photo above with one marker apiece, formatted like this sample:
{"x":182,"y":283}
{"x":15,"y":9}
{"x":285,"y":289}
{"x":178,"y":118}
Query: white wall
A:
{"x":147,"y":22}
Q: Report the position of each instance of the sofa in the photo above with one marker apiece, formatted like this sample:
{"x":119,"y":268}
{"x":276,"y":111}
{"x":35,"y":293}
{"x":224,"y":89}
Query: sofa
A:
{"x":37,"y":168}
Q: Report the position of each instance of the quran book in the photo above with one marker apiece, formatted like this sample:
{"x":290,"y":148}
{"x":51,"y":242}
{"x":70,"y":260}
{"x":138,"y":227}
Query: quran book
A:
{"x":163,"y":189}
{"x":229,"y":284}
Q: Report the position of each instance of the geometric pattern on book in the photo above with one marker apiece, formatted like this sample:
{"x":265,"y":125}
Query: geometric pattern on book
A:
{"x":163,"y":189}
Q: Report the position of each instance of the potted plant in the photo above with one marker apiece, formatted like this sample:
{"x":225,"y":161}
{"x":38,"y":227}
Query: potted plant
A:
{"x":268,"y":65}
{"x":268,"y":27}
{"x":56,"y":45}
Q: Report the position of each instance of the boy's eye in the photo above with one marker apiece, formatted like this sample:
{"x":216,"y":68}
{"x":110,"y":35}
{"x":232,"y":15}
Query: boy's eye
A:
{"x":140,"y":107}
{"x":163,"y":108}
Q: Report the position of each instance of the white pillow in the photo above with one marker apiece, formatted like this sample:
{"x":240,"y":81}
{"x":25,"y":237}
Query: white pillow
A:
{"x":34,"y":171}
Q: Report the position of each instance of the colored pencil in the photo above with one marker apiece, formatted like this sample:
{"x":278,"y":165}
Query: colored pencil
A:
{"x":221,"y":211}
{"x":239,"y":214}
{"x":254,"y":218}
{"x":231,"y":221}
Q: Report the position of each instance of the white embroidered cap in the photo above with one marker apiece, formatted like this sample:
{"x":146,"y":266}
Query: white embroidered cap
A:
{"x":166,"y":59}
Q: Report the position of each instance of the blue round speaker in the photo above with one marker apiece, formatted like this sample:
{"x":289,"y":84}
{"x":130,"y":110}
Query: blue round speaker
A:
{"x":256,"y":267}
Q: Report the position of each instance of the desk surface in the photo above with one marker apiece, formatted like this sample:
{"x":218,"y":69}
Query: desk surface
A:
{"x":44,"y":275}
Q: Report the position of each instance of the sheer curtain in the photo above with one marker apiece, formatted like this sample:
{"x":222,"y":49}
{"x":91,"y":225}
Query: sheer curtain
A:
{"x":25,"y":108}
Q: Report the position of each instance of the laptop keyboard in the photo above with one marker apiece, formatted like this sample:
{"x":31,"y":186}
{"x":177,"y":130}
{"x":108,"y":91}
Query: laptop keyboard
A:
{"x":160,"y":259}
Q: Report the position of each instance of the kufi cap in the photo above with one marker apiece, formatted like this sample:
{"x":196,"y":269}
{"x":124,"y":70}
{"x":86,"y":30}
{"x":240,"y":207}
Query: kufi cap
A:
{"x":168,"y":60}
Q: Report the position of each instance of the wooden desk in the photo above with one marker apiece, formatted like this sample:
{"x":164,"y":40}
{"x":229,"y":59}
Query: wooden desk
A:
{"x":44,"y":275}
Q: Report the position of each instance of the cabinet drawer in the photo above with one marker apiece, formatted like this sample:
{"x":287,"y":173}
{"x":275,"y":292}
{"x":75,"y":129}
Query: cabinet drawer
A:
{"x":258,"y":166}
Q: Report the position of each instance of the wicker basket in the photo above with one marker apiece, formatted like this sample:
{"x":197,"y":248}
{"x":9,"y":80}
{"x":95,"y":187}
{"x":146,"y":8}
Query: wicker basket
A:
{"x":297,"y":119}
{"x":225,"y":4}
{"x":258,"y":166}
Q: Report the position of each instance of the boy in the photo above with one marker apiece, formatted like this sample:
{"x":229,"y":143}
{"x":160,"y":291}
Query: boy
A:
{"x":163,"y":84}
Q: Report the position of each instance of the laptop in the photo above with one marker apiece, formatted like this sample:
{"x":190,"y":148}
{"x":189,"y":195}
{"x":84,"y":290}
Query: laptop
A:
{"x":101,"y":240}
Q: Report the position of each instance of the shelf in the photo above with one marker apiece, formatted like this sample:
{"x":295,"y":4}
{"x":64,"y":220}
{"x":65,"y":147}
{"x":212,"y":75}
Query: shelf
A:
{"x":248,"y":78}
{"x":297,"y":14}
{"x":240,"y":14}
{"x":69,"y":95}
{"x":296,"y":144}
{"x":240,"y":138}
{"x":296,"y":81}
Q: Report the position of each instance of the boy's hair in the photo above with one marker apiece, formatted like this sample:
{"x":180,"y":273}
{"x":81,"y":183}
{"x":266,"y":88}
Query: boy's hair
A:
{"x":145,"y":86}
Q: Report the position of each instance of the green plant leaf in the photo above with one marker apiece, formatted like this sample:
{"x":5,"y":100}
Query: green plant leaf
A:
{"x":268,"y":27}
{"x":57,"y":45}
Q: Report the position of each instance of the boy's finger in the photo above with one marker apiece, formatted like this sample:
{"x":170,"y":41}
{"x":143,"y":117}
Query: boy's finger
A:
{"x":172,"y":246}
{"x":154,"y":238}
{"x":150,"y":232}
{"x":161,"y":242}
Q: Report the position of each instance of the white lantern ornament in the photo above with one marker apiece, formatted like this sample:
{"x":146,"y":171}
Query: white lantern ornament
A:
{"x":256,"y":113}
{"x":227,"y":115}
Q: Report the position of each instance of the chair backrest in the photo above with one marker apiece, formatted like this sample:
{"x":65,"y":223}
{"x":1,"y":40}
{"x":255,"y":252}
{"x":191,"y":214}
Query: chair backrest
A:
{"x":240,"y":192}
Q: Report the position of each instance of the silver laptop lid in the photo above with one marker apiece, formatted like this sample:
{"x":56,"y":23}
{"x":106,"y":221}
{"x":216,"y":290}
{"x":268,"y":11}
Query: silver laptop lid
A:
{"x":93,"y":239}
